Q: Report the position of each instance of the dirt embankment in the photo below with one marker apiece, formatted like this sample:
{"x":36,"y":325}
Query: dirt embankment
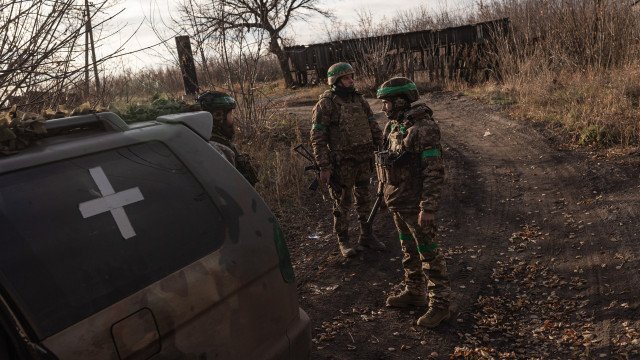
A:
{"x":541,"y":245}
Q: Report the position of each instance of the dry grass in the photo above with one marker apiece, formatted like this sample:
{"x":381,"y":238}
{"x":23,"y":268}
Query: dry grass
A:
{"x":282,"y":181}
{"x":304,"y":96}
{"x":594,"y":108}
{"x":572,"y":64}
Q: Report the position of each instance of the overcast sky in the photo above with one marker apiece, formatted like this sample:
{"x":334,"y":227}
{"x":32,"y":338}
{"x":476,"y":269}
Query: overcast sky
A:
{"x":139,"y":12}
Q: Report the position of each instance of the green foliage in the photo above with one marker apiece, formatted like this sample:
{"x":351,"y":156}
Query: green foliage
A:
{"x":597,"y":135}
{"x":160,"y":105}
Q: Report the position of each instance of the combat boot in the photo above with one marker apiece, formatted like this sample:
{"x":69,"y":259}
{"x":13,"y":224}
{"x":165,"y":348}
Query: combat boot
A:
{"x":434,"y":316}
{"x":345,"y":248}
{"x":368,"y":240}
{"x":407,"y":298}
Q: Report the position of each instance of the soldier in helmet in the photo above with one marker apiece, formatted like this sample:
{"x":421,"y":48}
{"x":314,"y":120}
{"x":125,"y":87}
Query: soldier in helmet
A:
{"x":221,"y":106}
{"x":411,"y":168}
{"x":344,"y":135}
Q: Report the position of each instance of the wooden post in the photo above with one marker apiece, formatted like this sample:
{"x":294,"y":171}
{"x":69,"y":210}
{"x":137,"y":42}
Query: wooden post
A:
{"x":187,"y":65}
{"x":86,"y":57}
{"x":93,"y":48}
{"x":410,"y":66}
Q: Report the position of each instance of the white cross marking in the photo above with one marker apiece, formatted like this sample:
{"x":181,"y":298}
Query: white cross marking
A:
{"x":111,"y":201}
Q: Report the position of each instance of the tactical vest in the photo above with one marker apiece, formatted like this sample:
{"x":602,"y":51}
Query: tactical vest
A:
{"x":350,"y":130}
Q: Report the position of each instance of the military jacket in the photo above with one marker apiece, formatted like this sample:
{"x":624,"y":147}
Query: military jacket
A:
{"x":242,"y":162}
{"x":412,"y":167}
{"x":225,"y":151}
{"x":343,"y":128}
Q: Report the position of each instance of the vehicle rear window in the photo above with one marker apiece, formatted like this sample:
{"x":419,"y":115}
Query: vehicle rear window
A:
{"x":69,"y":248}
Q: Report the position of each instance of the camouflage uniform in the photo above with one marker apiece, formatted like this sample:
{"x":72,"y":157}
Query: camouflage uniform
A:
{"x":412,"y":170}
{"x":219,"y":104}
{"x":344,"y":135}
{"x":224,"y":146}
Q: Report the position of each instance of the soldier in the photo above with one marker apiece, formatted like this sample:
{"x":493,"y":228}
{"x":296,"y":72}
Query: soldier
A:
{"x":221,"y":106}
{"x":412,"y":172}
{"x":344,"y":135}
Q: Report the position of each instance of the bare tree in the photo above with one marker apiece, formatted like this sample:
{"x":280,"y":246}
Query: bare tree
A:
{"x":268,"y":17}
{"x":240,"y":62}
{"x":41,"y":49}
{"x":368,"y":40}
{"x":371,"y":52}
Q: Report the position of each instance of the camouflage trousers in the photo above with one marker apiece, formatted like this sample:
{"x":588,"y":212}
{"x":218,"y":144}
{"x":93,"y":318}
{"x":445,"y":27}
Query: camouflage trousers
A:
{"x":424,"y":265}
{"x":353,"y":176}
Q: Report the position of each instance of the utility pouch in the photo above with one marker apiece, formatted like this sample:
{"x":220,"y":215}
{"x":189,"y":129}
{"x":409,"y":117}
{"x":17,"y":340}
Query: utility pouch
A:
{"x":383,"y":165}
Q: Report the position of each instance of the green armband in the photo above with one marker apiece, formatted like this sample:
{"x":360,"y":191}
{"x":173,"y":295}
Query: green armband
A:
{"x":424,"y":248}
{"x":405,"y":237}
{"x":431,"y":153}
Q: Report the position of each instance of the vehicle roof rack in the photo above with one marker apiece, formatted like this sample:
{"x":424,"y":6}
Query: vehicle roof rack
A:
{"x":109,"y":120}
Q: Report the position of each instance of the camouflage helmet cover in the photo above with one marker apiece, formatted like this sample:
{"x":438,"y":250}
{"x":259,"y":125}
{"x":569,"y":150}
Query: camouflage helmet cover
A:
{"x":214,"y":100}
{"x":398,"y":86}
{"x":337,"y":70}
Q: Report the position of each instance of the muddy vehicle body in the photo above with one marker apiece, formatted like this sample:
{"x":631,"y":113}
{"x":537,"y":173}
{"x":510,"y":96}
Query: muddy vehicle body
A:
{"x":140,"y":242}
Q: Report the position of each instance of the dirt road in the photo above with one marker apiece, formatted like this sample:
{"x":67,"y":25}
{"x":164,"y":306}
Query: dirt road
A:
{"x":541,"y":243}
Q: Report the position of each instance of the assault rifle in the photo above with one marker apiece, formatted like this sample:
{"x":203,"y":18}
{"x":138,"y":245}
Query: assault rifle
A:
{"x":377,"y":204}
{"x":382,"y":159}
{"x":305,"y":153}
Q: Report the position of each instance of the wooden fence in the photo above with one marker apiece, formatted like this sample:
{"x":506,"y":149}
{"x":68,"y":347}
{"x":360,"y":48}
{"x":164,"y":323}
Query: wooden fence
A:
{"x":452,"y":53}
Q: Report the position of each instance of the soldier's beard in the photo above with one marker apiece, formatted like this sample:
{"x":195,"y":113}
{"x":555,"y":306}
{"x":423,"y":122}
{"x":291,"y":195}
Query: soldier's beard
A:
{"x":227,"y":130}
{"x":344,"y":91}
{"x":221,"y":126}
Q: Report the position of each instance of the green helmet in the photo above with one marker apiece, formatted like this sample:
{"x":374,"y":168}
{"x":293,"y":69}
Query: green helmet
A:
{"x":337,"y":70}
{"x":398,"y":86}
{"x":216,"y":100}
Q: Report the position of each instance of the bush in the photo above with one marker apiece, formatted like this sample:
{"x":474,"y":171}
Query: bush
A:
{"x":159,"y":106}
{"x":282,"y":180}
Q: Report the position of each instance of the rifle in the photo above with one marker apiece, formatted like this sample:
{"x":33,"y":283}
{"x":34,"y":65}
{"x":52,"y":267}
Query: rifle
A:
{"x":381,"y":159}
{"x":376,"y":205}
{"x":305,"y":153}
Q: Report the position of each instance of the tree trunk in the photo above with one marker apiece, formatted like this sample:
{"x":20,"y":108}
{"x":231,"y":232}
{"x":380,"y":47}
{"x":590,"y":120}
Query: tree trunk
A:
{"x":283,"y":60}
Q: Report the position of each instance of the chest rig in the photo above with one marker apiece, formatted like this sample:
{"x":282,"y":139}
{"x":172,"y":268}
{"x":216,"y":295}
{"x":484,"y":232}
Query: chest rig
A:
{"x":395,"y":139}
{"x":394,"y":161}
{"x":351,"y":130}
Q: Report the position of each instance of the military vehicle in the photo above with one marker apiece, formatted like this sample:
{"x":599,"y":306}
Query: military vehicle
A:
{"x":139,"y":241}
